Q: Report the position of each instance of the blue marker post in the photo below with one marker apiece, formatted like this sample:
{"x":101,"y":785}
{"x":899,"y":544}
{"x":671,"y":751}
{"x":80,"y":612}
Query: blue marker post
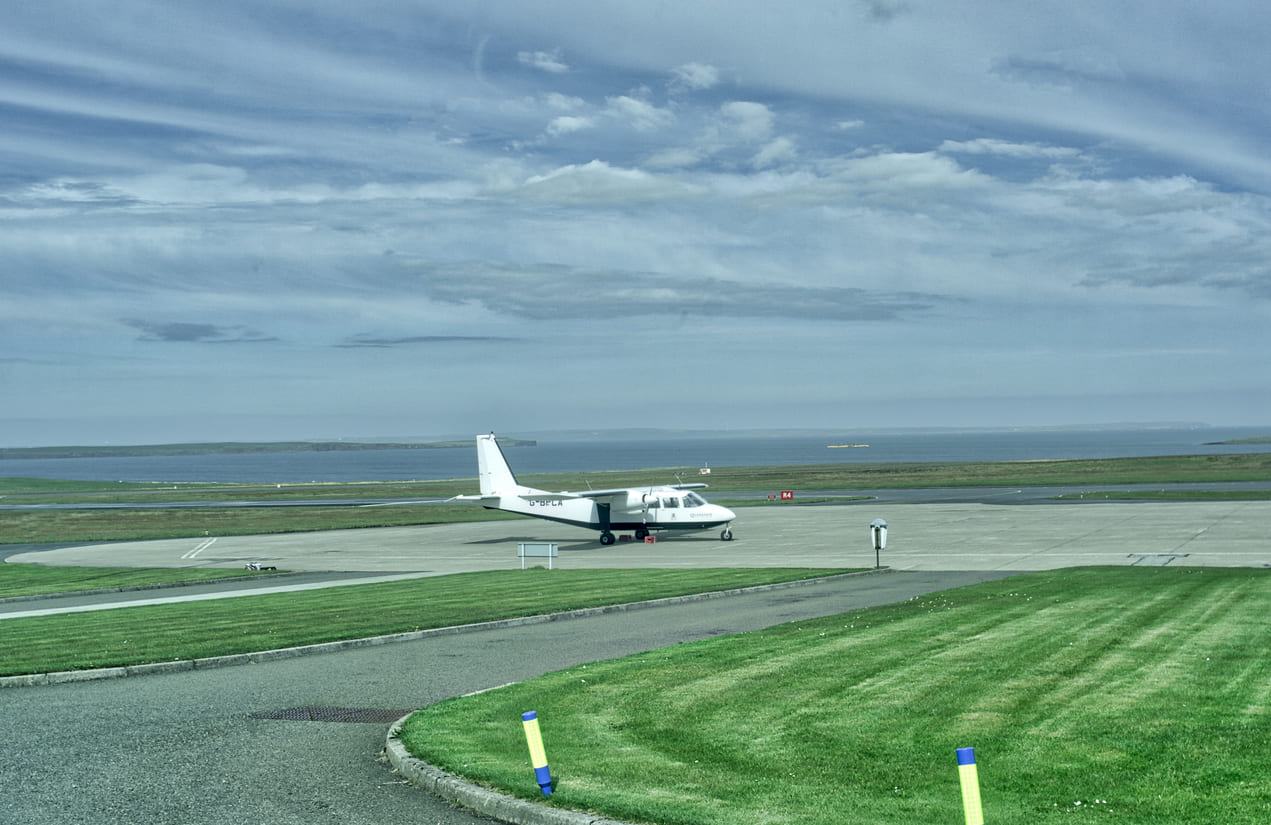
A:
{"x":538,"y":758}
{"x":970,"y":787}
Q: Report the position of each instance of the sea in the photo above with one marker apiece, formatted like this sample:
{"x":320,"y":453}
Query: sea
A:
{"x":684,"y":453}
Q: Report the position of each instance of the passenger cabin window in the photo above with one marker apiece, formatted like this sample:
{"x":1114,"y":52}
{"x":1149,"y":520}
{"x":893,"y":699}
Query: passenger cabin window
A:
{"x":670,"y":502}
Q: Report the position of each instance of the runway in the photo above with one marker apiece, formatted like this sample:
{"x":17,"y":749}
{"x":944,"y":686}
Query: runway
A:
{"x":939,"y":536}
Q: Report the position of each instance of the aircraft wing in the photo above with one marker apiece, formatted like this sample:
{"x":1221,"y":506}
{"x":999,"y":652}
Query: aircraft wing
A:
{"x":623,"y":491}
{"x":543,"y":495}
{"x":599,"y":493}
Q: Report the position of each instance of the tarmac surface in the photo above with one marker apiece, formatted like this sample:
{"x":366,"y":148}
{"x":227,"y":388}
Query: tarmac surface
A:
{"x":192,"y":747}
{"x":941,"y":536}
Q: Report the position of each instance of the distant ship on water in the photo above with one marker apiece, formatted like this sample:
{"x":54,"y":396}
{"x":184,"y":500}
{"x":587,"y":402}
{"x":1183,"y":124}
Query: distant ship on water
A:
{"x":843,"y":446}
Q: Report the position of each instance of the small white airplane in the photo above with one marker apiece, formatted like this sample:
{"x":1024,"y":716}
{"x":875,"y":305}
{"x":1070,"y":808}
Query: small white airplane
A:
{"x":642,"y":509}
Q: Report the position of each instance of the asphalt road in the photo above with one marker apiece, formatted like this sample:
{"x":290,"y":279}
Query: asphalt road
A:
{"x":185,"y":748}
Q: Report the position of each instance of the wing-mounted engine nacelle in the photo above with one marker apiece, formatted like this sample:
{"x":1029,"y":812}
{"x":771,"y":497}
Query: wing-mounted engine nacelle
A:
{"x":640,"y":499}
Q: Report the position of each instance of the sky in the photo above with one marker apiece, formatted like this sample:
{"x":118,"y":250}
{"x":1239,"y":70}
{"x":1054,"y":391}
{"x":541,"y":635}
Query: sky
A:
{"x":277,"y":220}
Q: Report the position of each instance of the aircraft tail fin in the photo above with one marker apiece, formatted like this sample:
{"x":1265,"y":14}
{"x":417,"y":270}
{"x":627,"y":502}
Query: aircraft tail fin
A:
{"x":492,"y":468}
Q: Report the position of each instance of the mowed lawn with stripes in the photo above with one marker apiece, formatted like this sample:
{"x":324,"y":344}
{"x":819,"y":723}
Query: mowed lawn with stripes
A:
{"x":1134,"y":695}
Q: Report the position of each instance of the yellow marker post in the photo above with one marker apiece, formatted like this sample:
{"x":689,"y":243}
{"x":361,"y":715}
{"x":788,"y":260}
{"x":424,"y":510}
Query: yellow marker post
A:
{"x":970,"y":787}
{"x":538,"y":757}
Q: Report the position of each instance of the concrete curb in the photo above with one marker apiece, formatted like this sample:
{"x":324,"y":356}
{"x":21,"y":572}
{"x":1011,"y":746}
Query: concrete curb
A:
{"x":474,"y":797}
{"x":181,"y":665}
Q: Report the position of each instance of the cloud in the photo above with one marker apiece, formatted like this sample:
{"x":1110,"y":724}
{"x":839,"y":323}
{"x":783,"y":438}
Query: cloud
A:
{"x":1063,"y":67}
{"x":568,"y":123}
{"x":745,"y":121}
{"x":563,"y":103}
{"x":695,"y":77}
{"x":725,"y":133}
{"x":543,"y":61}
{"x":992,"y":146}
{"x":905,"y":170}
{"x":676,"y":158}
{"x":66,"y":191}
{"x":781,"y":150}
{"x":639,"y":114}
{"x":360,"y":341}
{"x":598,"y":182}
{"x":560,"y":292}
{"x":191,"y":333}
{"x":884,"y":11}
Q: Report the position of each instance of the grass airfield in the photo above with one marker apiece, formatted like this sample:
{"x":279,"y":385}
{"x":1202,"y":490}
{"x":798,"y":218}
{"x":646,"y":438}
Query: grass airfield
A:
{"x":1134,"y":695}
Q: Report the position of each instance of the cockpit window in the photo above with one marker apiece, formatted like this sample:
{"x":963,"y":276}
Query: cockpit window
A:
{"x":693,"y":500}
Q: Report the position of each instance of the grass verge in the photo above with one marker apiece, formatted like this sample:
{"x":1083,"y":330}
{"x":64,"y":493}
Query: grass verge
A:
{"x":36,"y":579}
{"x":1170,"y":495}
{"x":1146,"y":470}
{"x":56,"y":526}
{"x":1092,"y":694}
{"x":158,"y":633}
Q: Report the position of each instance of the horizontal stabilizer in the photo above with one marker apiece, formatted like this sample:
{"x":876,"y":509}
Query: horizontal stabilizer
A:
{"x":489,"y":501}
{"x":539,"y":495}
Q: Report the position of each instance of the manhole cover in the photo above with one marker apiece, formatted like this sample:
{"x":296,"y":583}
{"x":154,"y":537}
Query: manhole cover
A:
{"x":317,"y":714}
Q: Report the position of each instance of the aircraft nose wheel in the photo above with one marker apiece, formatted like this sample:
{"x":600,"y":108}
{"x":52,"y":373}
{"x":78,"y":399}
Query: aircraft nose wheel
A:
{"x":727,"y":535}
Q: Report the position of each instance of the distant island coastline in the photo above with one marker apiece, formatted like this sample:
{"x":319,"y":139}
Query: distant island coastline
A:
{"x":1235,"y":442}
{"x":236,"y":448}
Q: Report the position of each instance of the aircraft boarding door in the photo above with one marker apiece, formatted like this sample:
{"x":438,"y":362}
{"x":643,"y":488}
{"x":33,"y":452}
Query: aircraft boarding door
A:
{"x":669,"y":512}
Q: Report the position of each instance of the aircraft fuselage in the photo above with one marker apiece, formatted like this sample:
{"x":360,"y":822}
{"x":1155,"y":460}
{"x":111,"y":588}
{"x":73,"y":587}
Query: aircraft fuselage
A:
{"x":640,"y":509}
{"x":668,"y":511}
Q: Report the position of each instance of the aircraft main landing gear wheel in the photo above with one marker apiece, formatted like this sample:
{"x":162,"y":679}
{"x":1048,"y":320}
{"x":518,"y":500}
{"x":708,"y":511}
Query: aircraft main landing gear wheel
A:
{"x":606,"y":538}
{"x":641,"y":533}
{"x":727,"y":535}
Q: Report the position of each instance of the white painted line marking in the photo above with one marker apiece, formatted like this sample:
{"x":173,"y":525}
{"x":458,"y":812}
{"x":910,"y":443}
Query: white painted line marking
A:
{"x":289,"y":588}
{"x":203,"y":546}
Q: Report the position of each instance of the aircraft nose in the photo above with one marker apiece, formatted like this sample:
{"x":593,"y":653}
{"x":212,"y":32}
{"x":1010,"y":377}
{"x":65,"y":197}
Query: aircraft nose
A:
{"x":725,"y":513}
